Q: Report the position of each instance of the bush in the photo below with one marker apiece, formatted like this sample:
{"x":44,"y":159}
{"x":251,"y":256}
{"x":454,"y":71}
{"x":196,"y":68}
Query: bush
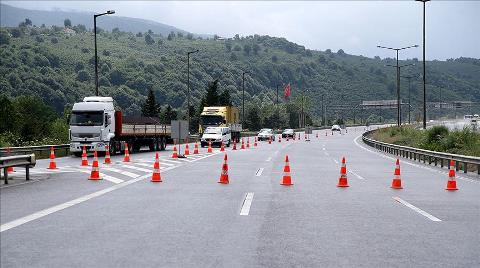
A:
{"x":83,"y":76}
{"x":54,"y":40}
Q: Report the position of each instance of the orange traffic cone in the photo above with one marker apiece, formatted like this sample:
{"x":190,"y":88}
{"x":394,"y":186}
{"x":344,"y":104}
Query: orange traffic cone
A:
{"x":222,"y":147}
{"x":84,"y":157}
{"x":95,"y":174}
{"x":9,"y":169}
{"x":397,"y":181}
{"x":224,"y":174}
{"x":156,"y":170}
{"x":451,"y":183}
{"x":234,"y":145}
{"x":209,"y":147}
{"x":243,"y":144}
{"x":187,"y":150}
{"x":107,"y":155}
{"x":195,"y":150}
{"x":127,"y":154}
{"x":52,"y":165}
{"x":175,"y":154}
{"x":343,"y":181}
{"x":255,"y":143}
{"x":287,"y":179}
{"x":248,"y":142}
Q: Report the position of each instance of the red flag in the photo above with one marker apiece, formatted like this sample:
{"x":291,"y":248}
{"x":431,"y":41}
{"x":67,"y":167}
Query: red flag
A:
{"x":287,"y":91}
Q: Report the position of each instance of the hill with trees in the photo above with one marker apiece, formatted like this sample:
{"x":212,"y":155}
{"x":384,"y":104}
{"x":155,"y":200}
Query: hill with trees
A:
{"x":55,"y":64}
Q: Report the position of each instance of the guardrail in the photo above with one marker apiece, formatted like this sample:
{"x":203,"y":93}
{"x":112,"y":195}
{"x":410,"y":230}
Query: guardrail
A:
{"x":28,"y":161}
{"x":424,"y":155}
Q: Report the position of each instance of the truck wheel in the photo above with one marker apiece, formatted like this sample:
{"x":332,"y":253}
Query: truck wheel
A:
{"x":151,"y":146}
{"x":112,"y":148}
{"x":163,"y":144}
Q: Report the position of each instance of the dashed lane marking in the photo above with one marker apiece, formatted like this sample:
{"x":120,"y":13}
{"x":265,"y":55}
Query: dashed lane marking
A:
{"x":269,"y":159}
{"x":356,"y":175}
{"x":259,"y":172}
{"x":414,"y":208}
{"x":247,"y":203}
{"x":105,"y":177}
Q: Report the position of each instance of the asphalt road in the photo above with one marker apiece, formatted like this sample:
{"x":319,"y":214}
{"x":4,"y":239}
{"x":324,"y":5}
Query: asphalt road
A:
{"x":62,"y":219}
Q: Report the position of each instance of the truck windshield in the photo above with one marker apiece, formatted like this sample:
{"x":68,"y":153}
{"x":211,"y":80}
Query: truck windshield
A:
{"x":210,"y":130}
{"x":84,"y":118}
{"x":211,"y":120}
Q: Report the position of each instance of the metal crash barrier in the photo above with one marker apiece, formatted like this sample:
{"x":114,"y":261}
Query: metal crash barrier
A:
{"x":27,"y":161}
{"x":426,"y":156}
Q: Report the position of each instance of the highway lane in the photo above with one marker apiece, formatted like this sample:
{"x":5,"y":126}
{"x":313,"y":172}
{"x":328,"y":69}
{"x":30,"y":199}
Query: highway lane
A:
{"x":191,"y":220}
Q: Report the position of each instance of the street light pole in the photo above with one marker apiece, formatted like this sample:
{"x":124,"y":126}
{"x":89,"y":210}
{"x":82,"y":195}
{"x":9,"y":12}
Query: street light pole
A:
{"x":95,"y":41}
{"x":243,"y":98}
{"x":409,"y":78}
{"x":424,"y":73}
{"x":399,"y":111}
{"x":188,"y":87}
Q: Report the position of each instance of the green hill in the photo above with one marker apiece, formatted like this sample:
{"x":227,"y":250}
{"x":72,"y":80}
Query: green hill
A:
{"x":58,"y":68}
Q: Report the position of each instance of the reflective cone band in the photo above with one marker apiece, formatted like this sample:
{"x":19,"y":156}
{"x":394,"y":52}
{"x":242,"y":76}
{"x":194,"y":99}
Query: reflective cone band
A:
{"x":175,"y":153}
{"x":342,"y":181}
{"x":84,"y":157}
{"x":187,"y":150}
{"x":243,"y":144}
{"x":234,"y":145}
{"x":195,"y":150}
{"x":107,"y":155}
{"x":156,"y":170}
{"x":52,"y":164}
{"x":224,"y":174}
{"x":209,"y":147}
{"x":397,"y":181}
{"x":451,"y":183}
{"x":127,"y":154}
{"x":95,"y":174}
{"x":287,"y":179}
{"x":222,"y":147}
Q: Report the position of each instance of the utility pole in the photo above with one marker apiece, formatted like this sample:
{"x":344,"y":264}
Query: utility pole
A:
{"x":188,"y":87}
{"x":243,"y":98}
{"x":399,"y":109}
{"x":95,"y":41}
{"x":424,"y":72}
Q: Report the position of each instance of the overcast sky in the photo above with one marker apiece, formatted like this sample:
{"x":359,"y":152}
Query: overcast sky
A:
{"x":355,"y":26}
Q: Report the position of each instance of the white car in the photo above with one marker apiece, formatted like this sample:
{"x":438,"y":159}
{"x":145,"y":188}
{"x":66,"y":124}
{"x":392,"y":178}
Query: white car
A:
{"x":336,"y":128}
{"x":217,"y":136}
{"x":266,"y":134}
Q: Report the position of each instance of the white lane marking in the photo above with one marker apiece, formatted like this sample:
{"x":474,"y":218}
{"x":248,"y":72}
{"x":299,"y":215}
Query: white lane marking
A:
{"x":136,"y":168}
{"x":259,"y":172}
{"x":269,"y":159}
{"x":126,"y":173}
{"x":356,"y":175}
{"x":323,"y":148}
{"x":335,"y":160}
{"x":105,"y":177}
{"x":411,"y":164}
{"x":414,"y":208}
{"x":247,"y":203}
{"x":172,"y":161}
{"x":48,"y":211}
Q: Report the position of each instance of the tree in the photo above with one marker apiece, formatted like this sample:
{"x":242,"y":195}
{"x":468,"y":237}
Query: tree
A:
{"x":212,"y":94}
{"x":33,"y":117}
{"x":189,"y":36}
{"x":253,"y":120}
{"x":4,"y":38}
{"x":247,"y":48}
{"x":83,"y":76}
{"x":150,"y":32}
{"x":341,"y":52}
{"x":228,"y":46}
{"x":16,"y":33}
{"x":139,"y":34}
{"x":151,"y":107}
{"x":169,"y":115}
{"x":7,"y":114}
{"x":224,"y":98}
{"x":170,"y":36}
{"x":255,"y":48}
{"x":67,"y":23}
{"x":149,"y":40}
{"x":274,"y":58}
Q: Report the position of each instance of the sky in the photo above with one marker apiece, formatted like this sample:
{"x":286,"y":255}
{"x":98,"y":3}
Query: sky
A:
{"x":357,"y":27}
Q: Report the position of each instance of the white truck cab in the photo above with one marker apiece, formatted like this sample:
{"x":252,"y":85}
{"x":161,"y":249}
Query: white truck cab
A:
{"x":217,"y":136}
{"x":92,"y":124}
